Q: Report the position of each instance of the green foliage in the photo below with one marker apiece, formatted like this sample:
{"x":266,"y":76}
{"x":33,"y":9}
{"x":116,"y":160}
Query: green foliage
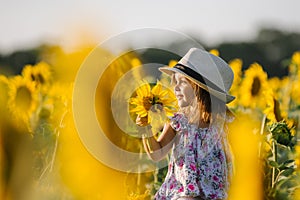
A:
{"x":282,"y":134}
{"x":161,"y":174}
{"x":280,"y":177}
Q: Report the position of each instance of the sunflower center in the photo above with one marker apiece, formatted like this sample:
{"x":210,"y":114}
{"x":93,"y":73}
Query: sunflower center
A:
{"x":147,"y":103}
{"x":156,"y":100}
{"x":23,"y":98}
{"x":256,"y":85}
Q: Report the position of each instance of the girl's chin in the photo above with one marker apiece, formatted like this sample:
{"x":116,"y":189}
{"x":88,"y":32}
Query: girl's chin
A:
{"x":182,"y":104}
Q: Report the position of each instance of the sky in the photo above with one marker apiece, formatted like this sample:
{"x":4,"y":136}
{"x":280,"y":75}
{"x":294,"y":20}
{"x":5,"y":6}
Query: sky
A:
{"x":25,"y":24}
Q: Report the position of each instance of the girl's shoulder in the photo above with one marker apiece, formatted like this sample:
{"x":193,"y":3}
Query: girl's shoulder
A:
{"x":178,"y":121}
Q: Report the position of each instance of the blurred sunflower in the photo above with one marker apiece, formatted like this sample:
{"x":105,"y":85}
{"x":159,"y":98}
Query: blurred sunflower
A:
{"x":172,"y":63}
{"x":3,"y":80}
{"x":272,"y":110}
{"x":275,"y":85}
{"x":3,"y":91}
{"x":284,"y":93}
{"x":40,"y":74}
{"x":155,"y":100}
{"x":58,"y":100}
{"x":295,"y":92}
{"x":214,"y":52}
{"x":135,"y":62}
{"x":253,"y":86}
{"x":291,"y":124}
{"x":297,"y":160}
{"x":294,"y":67}
{"x":236,"y":66}
{"x":296,"y":58}
{"x":22,"y":98}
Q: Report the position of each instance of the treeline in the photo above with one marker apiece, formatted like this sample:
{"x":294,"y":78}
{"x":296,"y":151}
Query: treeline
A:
{"x":271,"y":49}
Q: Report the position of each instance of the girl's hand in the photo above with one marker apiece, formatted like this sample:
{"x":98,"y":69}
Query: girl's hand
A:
{"x":142,"y":121}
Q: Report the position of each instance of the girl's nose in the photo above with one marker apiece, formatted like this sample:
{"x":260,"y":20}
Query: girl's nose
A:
{"x":176,"y":88}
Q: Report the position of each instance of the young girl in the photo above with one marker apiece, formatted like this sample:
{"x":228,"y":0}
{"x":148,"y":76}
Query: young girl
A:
{"x":200,"y":163}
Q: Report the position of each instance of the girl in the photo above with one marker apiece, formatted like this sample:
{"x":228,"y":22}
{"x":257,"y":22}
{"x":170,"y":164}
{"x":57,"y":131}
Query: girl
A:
{"x":200,"y":162}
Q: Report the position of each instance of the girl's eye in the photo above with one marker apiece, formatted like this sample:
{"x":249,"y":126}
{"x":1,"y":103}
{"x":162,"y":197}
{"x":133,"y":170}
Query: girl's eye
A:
{"x":184,"y":81}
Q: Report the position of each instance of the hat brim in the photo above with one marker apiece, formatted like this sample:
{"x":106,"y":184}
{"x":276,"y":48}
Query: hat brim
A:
{"x":225,"y":97}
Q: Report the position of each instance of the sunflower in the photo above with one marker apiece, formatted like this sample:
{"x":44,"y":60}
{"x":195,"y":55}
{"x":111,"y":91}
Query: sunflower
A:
{"x":22,"y":98}
{"x":214,"y":52}
{"x":294,"y":67}
{"x":273,"y":111}
{"x":285,"y":92}
{"x":143,"y":101}
{"x":40,"y":74}
{"x":296,"y":58}
{"x":253,"y":86}
{"x":283,"y":132}
{"x":236,"y":66}
{"x":149,"y":102}
{"x":172,"y":63}
{"x":295,"y":92}
{"x":281,"y":90}
{"x":275,"y":84}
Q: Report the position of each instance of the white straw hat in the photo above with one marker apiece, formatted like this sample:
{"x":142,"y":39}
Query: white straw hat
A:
{"x":210,"y":72}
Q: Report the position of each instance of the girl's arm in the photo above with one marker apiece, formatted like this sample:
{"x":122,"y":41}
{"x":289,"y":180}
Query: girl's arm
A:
{"x":158,"y":149}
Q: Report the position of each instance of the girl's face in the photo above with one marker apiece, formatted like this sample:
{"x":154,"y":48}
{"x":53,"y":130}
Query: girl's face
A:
{"x":183,"y":90}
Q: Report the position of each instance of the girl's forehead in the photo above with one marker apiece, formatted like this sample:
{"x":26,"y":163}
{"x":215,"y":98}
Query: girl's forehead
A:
{"x":179,"y":75}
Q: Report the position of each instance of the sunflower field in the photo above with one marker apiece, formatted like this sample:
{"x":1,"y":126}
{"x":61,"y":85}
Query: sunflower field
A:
{"x":271,"y":105}
{"x":43,"y":157}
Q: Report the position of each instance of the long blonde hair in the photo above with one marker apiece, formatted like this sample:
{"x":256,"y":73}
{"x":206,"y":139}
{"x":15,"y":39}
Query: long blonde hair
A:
{"x":206,"y":109}
{"x":203,"y":107}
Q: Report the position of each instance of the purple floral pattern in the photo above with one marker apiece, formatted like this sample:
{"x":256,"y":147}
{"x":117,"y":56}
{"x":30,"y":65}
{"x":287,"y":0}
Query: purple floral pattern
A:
{"x":198,"y":164}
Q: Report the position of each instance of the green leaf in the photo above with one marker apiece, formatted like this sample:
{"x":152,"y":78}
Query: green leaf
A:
{"x":272,"y":163}
{"x":287,"y":172}
{"x":287,"y":164}
{"x":288,"y":161}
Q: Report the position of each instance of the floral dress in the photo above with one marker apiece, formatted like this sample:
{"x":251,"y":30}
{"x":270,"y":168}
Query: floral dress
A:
{"x":199,"y":165}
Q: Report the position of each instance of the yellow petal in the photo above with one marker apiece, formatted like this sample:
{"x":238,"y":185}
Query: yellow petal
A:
{"x":136,"y":101}
{"x":137,"y":109}
{"x":156,"y":89}
{"x":143,"y":113}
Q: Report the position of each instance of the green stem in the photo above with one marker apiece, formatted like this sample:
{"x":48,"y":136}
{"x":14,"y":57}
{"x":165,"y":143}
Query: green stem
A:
{"x":147,"y":136}
{"x":139,"y":167}
{"x":61,"y":125}
{"x":274,"y":168}
{"x":261,"y":133}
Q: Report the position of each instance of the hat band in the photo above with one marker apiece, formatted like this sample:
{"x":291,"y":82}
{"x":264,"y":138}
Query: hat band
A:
{"x":188,"y":71}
